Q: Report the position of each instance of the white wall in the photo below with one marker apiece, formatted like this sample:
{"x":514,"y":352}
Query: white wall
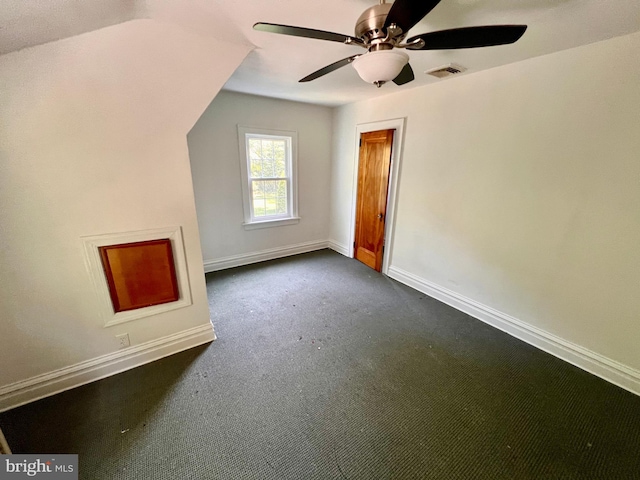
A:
{"x":520,"y":190}
{"x":215,"y":163}
{"x":93,"y":141}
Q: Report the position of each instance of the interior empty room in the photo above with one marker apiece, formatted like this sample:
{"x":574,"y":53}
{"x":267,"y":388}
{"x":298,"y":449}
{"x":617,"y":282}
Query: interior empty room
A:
{"x":238,"y":244}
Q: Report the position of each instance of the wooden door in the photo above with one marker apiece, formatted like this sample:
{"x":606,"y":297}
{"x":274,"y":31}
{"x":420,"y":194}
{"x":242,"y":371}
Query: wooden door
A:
{"x":371,"y":206}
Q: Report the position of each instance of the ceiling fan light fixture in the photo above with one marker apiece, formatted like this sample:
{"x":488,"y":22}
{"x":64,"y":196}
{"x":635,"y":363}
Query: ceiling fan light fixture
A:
{"x":380,"y":66}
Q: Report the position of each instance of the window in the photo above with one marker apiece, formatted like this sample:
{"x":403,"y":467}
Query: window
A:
{"x":268,"y":165}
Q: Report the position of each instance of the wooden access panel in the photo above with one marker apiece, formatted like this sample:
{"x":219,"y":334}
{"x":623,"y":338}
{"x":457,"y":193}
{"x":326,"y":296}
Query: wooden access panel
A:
{"x":140,"y":274}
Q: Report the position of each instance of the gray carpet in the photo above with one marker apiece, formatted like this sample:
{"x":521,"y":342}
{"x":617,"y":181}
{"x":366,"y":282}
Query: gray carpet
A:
{"x":325,"y":369}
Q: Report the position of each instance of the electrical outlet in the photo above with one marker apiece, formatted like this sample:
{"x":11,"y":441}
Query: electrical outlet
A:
{"x":123,"y":340}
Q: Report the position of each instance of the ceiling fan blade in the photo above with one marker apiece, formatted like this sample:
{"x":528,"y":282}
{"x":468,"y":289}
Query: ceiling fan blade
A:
{"x":405,"y":76}
{"x":307,"y":33}
{"x":469,"y":37}
{"x":406,"y":13}
{"x":329,"y":68}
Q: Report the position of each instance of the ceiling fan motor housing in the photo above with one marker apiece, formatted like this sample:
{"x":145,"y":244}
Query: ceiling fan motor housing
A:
{"x":370,"y":25}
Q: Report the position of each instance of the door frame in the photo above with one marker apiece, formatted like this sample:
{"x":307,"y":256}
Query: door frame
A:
{"x":396,"y":124}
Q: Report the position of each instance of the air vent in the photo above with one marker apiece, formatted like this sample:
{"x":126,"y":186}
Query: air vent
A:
{"x":446,"y":70}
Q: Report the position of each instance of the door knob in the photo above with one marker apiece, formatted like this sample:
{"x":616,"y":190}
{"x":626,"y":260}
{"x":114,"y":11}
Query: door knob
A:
{"x":380,"y":216}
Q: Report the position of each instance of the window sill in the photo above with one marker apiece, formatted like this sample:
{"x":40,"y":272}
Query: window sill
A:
{"x":271,"y":223}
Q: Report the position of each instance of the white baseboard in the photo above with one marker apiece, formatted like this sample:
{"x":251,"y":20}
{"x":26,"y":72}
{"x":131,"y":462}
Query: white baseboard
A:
{"x":263,"y":255}
{"x":599,"y":365}
{"x":35,"y":388}
{"x":337,"y":247}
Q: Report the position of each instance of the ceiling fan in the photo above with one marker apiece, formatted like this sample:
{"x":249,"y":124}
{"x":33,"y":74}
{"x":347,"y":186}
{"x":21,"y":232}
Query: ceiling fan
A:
{"x":382,"y":29}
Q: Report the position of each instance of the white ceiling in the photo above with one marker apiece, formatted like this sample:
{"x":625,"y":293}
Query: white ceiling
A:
{"x":25,"y":23}
{"x":278,"y":61}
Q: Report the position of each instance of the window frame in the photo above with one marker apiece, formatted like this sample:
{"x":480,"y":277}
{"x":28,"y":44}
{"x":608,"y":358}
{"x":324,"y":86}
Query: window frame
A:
{"x":291,"y":137}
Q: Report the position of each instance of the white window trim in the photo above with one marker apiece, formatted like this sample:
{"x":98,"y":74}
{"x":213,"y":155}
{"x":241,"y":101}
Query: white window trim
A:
{"x":250,"y":223}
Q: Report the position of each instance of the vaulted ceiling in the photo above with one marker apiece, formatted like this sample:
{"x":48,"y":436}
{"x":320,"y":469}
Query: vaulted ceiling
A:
{"x":278,"y":62}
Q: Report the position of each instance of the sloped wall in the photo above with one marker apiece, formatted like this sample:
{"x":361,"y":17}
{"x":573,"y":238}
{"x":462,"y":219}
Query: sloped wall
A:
{"x":93,"y":141}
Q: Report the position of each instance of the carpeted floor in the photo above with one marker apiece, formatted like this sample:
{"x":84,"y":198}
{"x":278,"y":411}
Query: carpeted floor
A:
{"x":325,"y":369}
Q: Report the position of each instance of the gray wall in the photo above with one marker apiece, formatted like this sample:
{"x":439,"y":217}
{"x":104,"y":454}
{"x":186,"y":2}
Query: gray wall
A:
{"x":520,"y":190}
{"x":215,"y":165}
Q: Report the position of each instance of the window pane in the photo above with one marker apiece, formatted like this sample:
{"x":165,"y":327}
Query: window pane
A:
{"x":269,"y":197}
{"x":267,"y":167}
{"x":267,"y":148}
{"x":257,"y":188}
{"x":256,"y":169}
{"x":255,"y":158}
{"x":280,"y":159}
{"x":255,"y":145}
{"x":267,"y":158}
{"x":259,"y":207}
